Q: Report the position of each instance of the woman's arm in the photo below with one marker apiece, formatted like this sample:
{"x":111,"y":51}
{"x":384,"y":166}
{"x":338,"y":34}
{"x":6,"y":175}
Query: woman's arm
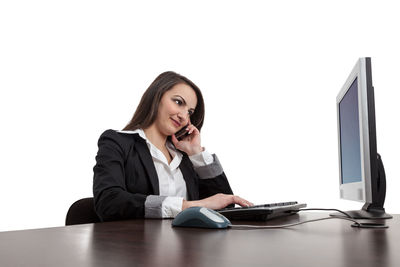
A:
{"x":214,"y":189}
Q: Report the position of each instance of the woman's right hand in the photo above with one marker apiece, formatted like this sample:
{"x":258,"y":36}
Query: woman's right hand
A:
{"x":217,"y":201}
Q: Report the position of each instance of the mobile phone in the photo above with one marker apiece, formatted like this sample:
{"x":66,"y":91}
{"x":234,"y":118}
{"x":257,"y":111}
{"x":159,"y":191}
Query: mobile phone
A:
{"x":182,"y":133}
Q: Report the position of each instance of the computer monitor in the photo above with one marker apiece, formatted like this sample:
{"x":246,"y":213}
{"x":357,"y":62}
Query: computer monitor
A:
{"x":361,"y":172}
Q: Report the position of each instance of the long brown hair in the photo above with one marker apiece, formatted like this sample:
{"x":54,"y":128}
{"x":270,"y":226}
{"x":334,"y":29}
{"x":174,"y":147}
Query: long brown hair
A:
{"x":146,"y":112}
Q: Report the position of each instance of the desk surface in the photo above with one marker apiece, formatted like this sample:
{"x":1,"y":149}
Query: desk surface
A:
{"x":156,"y":243}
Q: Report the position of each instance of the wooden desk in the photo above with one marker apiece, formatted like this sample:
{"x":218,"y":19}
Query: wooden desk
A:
{"x":156,"y":243}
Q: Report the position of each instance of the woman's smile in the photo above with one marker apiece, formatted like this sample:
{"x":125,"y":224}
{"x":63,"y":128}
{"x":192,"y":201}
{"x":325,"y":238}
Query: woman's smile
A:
{"x":176,"y":123}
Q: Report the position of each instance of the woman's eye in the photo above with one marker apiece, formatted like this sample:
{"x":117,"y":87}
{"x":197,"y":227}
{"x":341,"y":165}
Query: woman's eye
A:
{"x":179,"y":102}
{"x":190,"y":112}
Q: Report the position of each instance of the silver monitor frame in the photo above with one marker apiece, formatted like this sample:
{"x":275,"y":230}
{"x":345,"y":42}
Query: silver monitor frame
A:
{"x":357,"y":191}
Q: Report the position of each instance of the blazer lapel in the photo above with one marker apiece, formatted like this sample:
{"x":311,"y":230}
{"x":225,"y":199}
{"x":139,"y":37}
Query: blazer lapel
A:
{"x":148,"y":164}
{"x":190,"y":178}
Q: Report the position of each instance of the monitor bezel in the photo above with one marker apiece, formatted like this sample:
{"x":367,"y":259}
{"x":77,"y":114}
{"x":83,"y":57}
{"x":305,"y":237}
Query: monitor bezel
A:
{"x":360,"y":191}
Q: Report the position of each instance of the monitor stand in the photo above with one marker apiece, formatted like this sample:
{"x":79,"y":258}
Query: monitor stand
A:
{"x":371,"y":213}
{"x":375,"y":209}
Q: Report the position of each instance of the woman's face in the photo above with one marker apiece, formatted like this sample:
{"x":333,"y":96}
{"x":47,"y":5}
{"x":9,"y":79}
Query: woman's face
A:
{"x":175,"y":108}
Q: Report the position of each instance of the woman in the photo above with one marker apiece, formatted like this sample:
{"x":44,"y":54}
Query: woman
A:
{"x":145,"y":171}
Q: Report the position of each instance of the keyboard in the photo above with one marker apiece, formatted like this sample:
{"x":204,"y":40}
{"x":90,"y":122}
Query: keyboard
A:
{"x":262,"y":212}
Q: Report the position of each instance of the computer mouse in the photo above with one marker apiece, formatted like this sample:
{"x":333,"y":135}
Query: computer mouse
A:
{"x":200,"y":217}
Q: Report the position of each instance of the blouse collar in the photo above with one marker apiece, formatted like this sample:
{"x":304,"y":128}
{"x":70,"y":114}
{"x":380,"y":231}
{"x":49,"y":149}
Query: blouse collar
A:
{"x":156,"y":153}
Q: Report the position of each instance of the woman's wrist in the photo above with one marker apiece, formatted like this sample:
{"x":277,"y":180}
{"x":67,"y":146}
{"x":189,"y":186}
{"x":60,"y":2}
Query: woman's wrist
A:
{"x":187,"y":204}
{"x":195,"y":150}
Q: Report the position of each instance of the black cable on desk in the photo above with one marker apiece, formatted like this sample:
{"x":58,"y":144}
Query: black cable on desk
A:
{"x":253,"y":227}
{"x":340,"y":211}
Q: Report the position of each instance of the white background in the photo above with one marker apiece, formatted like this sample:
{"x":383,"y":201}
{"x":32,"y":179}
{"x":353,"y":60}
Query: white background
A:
{"x":269,"y":71}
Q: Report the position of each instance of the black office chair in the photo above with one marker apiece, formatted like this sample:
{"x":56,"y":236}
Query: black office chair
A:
{"x":82,"y":211}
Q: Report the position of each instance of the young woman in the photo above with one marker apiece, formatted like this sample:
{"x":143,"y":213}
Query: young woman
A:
{"x":144,"y":171}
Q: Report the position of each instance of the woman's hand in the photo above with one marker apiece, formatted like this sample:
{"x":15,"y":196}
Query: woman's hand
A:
{"x":217,"y":201}
{"x":191,"y":144}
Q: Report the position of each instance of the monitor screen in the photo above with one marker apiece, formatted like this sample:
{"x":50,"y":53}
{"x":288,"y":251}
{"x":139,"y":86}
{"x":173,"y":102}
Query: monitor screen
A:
{"x":349,"y":125}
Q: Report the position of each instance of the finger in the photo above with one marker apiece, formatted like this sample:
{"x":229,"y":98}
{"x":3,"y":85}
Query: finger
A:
{"x":248,"y":203}
{"x":242,"y":202}
{"x":192,"y":129}
{"x":195,"y":130}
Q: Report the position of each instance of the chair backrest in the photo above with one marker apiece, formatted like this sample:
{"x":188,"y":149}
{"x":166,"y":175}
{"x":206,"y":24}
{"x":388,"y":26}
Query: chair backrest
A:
{"x":82,"y":211}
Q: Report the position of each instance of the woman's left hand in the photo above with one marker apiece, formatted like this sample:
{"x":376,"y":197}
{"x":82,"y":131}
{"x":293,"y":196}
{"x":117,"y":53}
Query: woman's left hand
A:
{"x":190,"y":144}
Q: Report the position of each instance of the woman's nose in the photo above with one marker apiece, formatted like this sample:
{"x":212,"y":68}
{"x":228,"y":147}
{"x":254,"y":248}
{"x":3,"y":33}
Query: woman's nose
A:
{"x":183,"y":116}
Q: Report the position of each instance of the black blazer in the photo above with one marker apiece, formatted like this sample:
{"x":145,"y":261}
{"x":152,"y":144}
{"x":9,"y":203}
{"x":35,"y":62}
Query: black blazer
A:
{"x":124,"y":175}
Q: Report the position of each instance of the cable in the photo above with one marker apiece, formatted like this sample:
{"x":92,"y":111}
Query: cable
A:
{"x":348,"y":215}
{"x":254,"y":227}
